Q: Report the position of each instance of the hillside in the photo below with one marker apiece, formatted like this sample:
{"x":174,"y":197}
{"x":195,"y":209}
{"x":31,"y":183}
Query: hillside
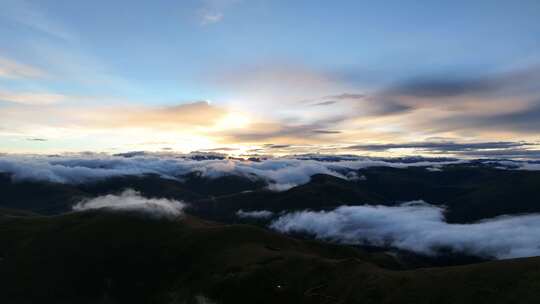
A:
{"x":108,"y":257}
{"x":469,"y":192}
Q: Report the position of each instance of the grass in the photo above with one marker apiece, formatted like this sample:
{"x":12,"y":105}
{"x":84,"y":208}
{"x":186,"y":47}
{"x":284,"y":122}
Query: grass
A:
{"x":107,"y":257}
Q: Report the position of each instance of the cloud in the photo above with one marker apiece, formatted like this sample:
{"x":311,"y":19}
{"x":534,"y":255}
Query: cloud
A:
{"x":187,"y":126}
{"x":130,"y":200}
{"x":34,"y":99}
{"x":524,"y":120}
{"x":345,"y":96}
{"x":487,"y":107}
{"x":516,"y":81}
{"x":280,"y":173}
{"x":419,"y":227}
{"x":515,"y":165}
{"x":213,"y":11}
{"x":36,"y":139}
{"x":259,"y":87}
{"x":442,"y":87}
{"x":444,"y":146}
{"x":211,"y":17}
{"x":31,"y":16}
{"x":12,"y":69}
{"x":356,"y":105}
{"x":503,"y":153}
{"x":500,"y":102}
{"x":258,"y":214}
{"x":325,"y":103}
{"x":273,"y":146}
{"x":219,"y":149}
{"x":326,"y":132}
{"x":197,"y":113}
{"x":296,"y":132}
{"x":498,"y":149}
{"x":478,"y":111}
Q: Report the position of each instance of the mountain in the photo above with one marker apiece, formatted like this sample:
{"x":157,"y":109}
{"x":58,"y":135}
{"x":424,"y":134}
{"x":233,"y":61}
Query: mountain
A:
{"x":111,"y":257}
{"x":469,"y":192}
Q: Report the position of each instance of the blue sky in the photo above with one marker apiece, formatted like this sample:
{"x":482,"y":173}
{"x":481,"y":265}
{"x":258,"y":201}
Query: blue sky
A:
{"x":255,"y":61}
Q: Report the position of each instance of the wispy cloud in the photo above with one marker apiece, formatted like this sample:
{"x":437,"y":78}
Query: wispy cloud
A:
{"x":31,"y":16}
{"x":443,"y":146}
{"x":30,"y":115}
{"x":36,"y":139}
{"x":211,"y":17}
{"x":213,"y":11}
{"x":325,"y":103}
{"x":327,"y":131}
{"x":506,"y":149}
{"x":10,"y":68}
{"x":26,"y":98}
{"x":500,"y":102}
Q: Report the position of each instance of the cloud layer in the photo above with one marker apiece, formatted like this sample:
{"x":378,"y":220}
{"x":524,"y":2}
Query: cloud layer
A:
{"x":280,"y":173}
{"x":419,"y":227}
{"x":130,"y":200}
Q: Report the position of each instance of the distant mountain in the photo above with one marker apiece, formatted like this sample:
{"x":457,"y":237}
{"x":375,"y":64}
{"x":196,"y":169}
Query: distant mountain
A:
{"x":470,"y":192}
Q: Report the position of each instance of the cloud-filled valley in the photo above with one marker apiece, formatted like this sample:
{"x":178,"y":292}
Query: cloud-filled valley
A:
{"x":419,"y":227}
{"x":480,"y":224}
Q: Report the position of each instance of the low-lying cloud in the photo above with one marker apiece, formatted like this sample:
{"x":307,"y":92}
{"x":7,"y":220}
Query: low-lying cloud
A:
{"x":131,"y":200}
{"x":258,"y":214}
{"x":419,"y":227}
{"x":279,"y":173}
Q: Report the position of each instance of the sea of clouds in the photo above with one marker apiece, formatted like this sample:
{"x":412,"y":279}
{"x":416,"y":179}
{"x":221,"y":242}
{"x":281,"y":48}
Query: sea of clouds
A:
{"x":131,"y":200}
{"x":280,"y":173}
{"x":419,"y":227}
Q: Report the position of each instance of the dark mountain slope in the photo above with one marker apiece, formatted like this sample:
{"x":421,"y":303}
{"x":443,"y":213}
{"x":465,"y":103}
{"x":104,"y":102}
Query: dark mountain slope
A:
{"x":149,"y":185}
{"x":321,"y":192}
{"x":470,"y":193}
{"x":54,"y":198}
{"x":104,"y":257}
{"x":38,"y":196}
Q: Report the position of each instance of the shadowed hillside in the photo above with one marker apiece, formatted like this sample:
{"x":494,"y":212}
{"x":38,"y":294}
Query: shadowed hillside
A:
{"x":470,"y":193}
{"x":107,"y":257}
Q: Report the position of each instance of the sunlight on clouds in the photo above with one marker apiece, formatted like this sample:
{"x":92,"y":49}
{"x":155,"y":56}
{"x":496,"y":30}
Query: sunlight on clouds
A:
{"x":32,"y":98}
{"x":299,"y":109}
{"x":233,"y":120}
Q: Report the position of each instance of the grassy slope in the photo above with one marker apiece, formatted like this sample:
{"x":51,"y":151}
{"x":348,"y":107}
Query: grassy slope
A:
{"x":97,"y":257}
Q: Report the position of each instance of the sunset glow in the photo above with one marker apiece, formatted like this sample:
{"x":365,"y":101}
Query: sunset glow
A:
{"x":66,"y":86}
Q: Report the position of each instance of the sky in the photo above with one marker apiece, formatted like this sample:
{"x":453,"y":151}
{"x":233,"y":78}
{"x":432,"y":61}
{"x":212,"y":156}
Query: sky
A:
{"x":271,"y":77}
